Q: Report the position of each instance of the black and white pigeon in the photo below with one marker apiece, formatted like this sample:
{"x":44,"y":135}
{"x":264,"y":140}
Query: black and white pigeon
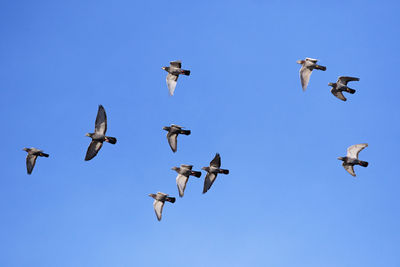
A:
{"x":307,"y":66}
{"x":183,"y":176}
{"x":352,"y":158}
{"x":174,"y":70}
{"x":172,"y":135}
{"x":212,"y":172}
{"x":158,"y":204}
{"x":33,"y":153}
{"x":98,"y":137}
{"x":341,"y":86}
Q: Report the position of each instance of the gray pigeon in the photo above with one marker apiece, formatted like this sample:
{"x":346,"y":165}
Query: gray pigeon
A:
{"x":98,"y":137}
{"x":307,"y":66}
{"x":183,"y":176}
{"x":172,"y":135}
{"x":159,"y":200}
{"x":341,"y":86}
{"x":174,"y":70}
{"x":212,"y":172}
{"x":33,"y":153}
{"x":352,"y":158}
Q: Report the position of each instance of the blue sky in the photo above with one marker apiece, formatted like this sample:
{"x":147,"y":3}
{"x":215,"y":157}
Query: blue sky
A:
{"x":286,"y":202}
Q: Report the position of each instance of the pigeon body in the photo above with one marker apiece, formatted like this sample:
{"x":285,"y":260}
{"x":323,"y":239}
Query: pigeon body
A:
{"x":172,"y":135}
{"x":33,"y":153}
{"x":212,"y":172}
{"x":352,"y":158}
{"x":183,"y":176}
{"x":158,"y":204}
{"x":307,"y":66}
{"x":98,"y":137}
{"x":174,"y":70}
{"x":341,"y":86}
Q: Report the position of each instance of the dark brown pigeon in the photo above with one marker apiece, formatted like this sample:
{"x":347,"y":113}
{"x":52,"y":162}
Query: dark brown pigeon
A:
{"x":33,"y":153}
{"x":174,"y":70}
{"x":212,"y":172}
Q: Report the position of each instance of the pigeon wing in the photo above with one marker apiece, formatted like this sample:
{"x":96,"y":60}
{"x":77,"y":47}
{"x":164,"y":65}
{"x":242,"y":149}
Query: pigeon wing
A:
{"x":305,"y":74}
{"x":349,"y":168}
{"x":354,"y":150}
{"x":101,"y":121}
{"x":30,"y":163}
{"x":93,"y":149}
{"x":171,"y":83}
{"x":158,"y":207}
{"x":181,"y":182}
{"x":176,"y":64}
{"x":208,"y":181}
{"x":216,"y":162}
{"x":346,"y":79}
{"x":338,"y":94}
{"x":172,"y":141}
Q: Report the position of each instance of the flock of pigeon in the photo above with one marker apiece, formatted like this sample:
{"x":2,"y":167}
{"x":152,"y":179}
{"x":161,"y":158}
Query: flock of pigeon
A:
{"x":184,"y":171}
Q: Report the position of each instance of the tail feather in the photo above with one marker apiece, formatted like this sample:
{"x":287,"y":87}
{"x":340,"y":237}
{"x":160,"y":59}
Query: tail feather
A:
{"x":196,"y":174}
{"x":170,"y":199}
{"x":351,"y":91}
{"x":224,"y":171}
{"x":363,"y":163}
{"x":111,"y":140}
{"x":319,"y":67}
{"x":44,"y":155}
{"x":186,"y":72}
{"x":186,"y":132}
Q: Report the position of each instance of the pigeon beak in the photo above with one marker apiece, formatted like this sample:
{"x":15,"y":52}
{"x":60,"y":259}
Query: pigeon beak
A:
{"x":87,"y":134}
{"x":299,"y":61}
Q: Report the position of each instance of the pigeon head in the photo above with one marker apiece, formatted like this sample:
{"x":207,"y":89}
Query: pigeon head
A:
{"x":89,"y":134}
{"x":331,"y":84}
{"x":25,"y":149}
{"x":300,"y":62}
{"x":165,"y":68}
{"x":175,"y":168}
{"x":166,"y":128}
{"x":152,"y":195}
{"x":341,"y":158}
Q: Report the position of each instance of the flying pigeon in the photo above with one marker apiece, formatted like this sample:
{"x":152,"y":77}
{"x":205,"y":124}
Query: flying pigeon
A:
{"x":341,"y":86}
{"x":172,"y":135}
{"x":98,"y":137}
{"x":307,"y":66}
{"x":158,"y":203}
{"x":33,"y":153}
{"x":212,"y":172}
{"x":174,"y":70}
{"x":352,"y":158}
{"x":183,"y":176}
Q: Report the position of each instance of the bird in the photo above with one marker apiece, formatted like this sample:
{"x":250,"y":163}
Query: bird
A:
{"x":183,"y":176}
{"x":98,"y":137}
{"x":341,"y":86}
{"x":174,"y":70}
{"x":212,"y":172}
{"x":307,"y":66}
{"x":352,"y":158}
{"x":33,"y":153}
{"x":159,"y":200}
{"x":172,"y":135}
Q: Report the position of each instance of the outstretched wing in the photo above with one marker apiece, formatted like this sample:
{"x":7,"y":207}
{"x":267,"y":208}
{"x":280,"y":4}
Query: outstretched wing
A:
{"x":176,"y":64}
{"x":181,"y":182}
{"x":338,"y":94}
{"x":305,"y":74}
{"x":349,"y":168}
{"x":346,"y":79}
{"x":30,"y":163}
{"x":101,"y":121}
{"x":93,"y":149}
{"x":354,"y":150}
{"x":172,"y":141}
{"x":208,"y":181}
{"x":216,"y":162}
{"x":171,"y":82}
{"x":158,"y":207}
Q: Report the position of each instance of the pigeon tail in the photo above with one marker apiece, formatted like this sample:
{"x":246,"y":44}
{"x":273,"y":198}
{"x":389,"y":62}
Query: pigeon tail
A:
{"x":186,"y":72}
{"x":44,"y":155}
{"x":319,"y":67}
{"x":196,"y":174}
{"x":111,"y":140}
{"x":223,"y":171}
{"x":170,"y":199}
{"x":351,"y":91}
{"x":186,"y":132}
{"x":363,"y":163}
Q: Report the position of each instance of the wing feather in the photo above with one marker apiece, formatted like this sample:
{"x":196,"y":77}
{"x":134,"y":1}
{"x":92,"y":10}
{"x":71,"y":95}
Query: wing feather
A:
{"x":354,"y":150}
{"x":93,"y":149}
{"x":349,"y":168}
{"x":181,"y":182}
{"x":30,"y":163}
{"x":216,"y":162}
{"x":171,"y":83}
{"x":158,"y":207}
{"x":172,"y":141}
{"x":305,"y":74}
{"x":208,"y":181}
{"x":101,"y":121}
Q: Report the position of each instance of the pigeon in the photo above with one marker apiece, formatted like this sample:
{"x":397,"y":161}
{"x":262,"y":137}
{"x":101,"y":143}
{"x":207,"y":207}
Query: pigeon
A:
{"x":158,"y":203}
{"x":307,"y":66}
{"x":352,"y":158}
{"x":341,"y":85}
{"x":172,"y":135}
{"x":174,"y":70}
{"x":183,"y":176}
{"x":212,"y":172}
{"x":33,"y":153}
{"x":98,"y":137}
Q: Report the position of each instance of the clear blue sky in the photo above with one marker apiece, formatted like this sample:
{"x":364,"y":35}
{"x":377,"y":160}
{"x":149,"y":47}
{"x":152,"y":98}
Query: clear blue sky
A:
{"x":287,"y":201}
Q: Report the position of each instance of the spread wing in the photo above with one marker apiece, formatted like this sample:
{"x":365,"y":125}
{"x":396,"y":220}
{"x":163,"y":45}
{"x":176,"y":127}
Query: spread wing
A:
{"x":171,"y":83}
{"x":181,"y":182}
{"x":30,"y":163}
{"x":338,"y":94}
{"x":305,"y":74}
{"x":101,"y":121}
{"x":158,"y":207}
{"x":93,"y":149}
{"x":346,"y":79}
{"x":208,"y":181}
{"x":216,"y":162}
{"x":354,"y":150}
{"x":172,"y":141}
{"x":176,"y":64}
{"x":349,"y":169}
